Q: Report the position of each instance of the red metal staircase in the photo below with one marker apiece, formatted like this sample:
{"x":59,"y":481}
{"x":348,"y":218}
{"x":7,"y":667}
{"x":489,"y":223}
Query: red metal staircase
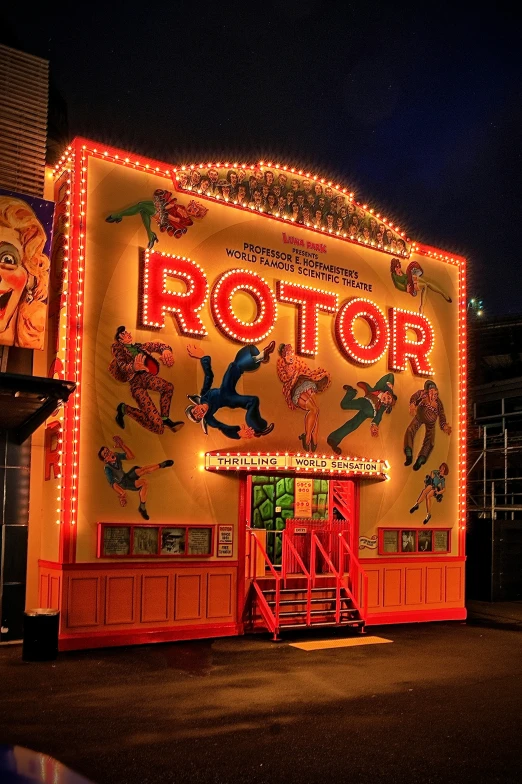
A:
{"x":321,"y":582}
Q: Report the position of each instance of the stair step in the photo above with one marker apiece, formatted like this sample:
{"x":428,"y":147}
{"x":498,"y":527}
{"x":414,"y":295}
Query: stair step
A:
{"x":326,"y":623}
{"x":326,"y":600}
{"x":302,"y":614}
{"x":298,"y":590}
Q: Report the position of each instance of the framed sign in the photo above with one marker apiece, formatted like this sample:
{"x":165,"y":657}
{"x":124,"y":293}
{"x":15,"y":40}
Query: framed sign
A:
{"x":440,"y":544}
{"x":116,"y":540}
{"x":199,"y":541}
{"x":406,"y":541}
{"x":390,"y":541}
{"x":303,"y":499}
{"x":145,"y":540}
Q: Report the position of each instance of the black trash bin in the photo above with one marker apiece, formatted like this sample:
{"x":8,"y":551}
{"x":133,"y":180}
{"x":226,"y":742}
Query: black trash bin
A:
{"x":40,"y":641}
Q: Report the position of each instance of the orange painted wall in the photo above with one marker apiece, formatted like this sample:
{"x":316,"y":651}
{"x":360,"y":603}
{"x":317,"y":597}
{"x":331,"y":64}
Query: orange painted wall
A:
{"x":413,"y":586}
{"x":130,"y":602}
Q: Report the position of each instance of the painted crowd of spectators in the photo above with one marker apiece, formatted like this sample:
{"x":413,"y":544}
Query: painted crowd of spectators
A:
{"x":303,"y":200}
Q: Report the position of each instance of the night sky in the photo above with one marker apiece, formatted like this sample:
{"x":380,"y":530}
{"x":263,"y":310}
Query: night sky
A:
{"x":418,"y":109}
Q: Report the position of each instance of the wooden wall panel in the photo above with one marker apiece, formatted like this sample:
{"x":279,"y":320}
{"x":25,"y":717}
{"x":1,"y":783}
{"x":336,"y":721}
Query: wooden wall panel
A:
{"x":434,"y":585}
{"x":374,"y":587}
{"x":189,"y":597}
{"x":219,"y":596}
{"x":44,"y":590}
{"x":154,"y":598}
{"x":392,"y":587}
{"x":83,"y":598}
{"x":55,"y":592}
{"x":454,"y":583}
{"x":413,"y":582}
{"x":119,"y":599}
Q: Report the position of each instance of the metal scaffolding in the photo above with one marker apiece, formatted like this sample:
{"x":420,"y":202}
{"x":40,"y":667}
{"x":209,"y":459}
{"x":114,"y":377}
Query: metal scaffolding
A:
{"x":495,"y":493}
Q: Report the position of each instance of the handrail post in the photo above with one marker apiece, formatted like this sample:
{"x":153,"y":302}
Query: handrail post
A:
{"x":312,"y":559}
{"x":284,"y":557}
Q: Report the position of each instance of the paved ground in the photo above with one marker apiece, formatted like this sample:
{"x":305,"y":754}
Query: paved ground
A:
{"x":440,"y":704}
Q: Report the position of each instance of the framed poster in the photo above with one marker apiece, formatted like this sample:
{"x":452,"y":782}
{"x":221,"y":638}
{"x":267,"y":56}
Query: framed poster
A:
{"x":407,"y":541}
{"x":425,"y":541}
{"x":173,"y":541}
{"x":145,"y":540}
{"x":199,"y":541}
{"x":303,"y":499}
{"x":116,"y":540}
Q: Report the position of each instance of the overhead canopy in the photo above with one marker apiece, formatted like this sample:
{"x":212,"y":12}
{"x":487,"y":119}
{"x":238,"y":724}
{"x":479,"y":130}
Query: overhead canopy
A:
{"x":27,"y":401}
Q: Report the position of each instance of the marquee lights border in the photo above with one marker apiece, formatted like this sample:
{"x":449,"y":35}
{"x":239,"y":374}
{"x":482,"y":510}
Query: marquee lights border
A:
{"x":71,"y":324}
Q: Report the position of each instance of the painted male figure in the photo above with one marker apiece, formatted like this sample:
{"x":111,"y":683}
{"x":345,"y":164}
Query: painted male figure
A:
{"x":133,"y":362}
{"x":425,"y":408}
{"x":122,"y":481}
{"x":377,"y":400}
{"x":204,"y":406}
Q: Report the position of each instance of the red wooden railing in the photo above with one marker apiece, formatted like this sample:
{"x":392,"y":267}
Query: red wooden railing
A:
{"x":355,"y":573}
{"x":289,"y":552}
{"x":271,"y":618}
{"x":340,"y":562}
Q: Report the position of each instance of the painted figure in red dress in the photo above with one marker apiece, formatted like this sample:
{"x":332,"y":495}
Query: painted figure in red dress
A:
{"x":301,"y":384}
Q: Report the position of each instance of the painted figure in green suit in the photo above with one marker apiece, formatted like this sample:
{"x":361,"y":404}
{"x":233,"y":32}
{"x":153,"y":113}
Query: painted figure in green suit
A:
{"x":375,"y":402}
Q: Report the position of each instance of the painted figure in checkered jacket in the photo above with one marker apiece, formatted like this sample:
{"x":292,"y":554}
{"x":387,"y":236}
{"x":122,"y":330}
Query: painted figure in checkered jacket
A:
{"x":425,"y":408}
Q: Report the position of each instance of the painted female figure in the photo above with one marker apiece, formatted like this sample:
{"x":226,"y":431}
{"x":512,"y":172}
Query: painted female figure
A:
{"x":301,"y":384}
{"x":434,"y":488}
{"x":413,"y":282}
{"x":24,"y":275}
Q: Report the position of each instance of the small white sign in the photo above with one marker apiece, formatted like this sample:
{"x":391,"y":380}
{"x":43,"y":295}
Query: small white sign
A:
{"x":225,"y":533}
{"x":369,"y":542}
{"x":224,"y":550}
{"x":300,"y":530}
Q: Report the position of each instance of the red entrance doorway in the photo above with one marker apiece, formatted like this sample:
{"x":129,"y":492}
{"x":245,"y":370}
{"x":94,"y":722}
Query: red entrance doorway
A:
{"x":301,"y":558}
{"x":273,"y":501}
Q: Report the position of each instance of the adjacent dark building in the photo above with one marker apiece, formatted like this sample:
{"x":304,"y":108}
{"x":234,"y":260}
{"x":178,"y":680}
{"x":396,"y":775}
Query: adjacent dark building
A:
{"x":494,"y":536}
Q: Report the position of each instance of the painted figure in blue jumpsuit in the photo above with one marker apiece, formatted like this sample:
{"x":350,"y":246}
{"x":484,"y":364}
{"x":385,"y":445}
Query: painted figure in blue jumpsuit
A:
{"x":377,"y":400}
{"x":205,"y":405}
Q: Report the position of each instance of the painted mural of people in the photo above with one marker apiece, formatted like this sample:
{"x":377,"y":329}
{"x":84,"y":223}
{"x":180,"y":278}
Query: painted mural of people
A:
{"x":376,"y":401}
{"x":133,"y":363}
{"x":205,"y":406}
{"x":24,"y":275}
{"x":434,"y":489}
{"x":425,"y":408}
{"x":132,"y":480}
{"x":170,"y":216}
{"x":301,"y":384}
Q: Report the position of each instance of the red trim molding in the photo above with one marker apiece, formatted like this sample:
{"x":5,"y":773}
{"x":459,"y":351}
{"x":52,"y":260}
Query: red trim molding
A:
{"x":75,"y":642}
{"x":415,"y":558}
{"x":102,"y":565}
{"x":416,"y":616}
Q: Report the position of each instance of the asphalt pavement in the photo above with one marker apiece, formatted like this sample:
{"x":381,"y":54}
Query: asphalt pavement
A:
{"x":441,"y":703}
